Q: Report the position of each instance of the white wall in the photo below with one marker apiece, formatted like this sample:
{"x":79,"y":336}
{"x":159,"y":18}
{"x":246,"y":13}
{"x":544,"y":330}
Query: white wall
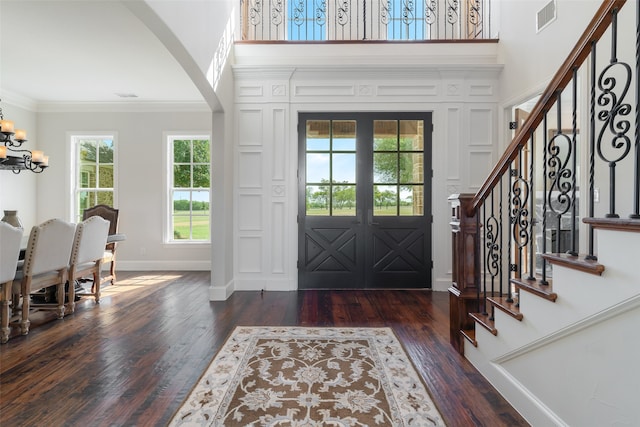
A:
{"x":140,"y":186}
{"x":18,"y":191}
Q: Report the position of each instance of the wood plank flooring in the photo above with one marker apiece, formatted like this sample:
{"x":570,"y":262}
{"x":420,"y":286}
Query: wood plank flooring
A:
{"x":133,"y":359}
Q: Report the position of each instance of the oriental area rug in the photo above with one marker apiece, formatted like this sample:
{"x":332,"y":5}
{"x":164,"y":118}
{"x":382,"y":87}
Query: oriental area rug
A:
{"x":308,"y":377}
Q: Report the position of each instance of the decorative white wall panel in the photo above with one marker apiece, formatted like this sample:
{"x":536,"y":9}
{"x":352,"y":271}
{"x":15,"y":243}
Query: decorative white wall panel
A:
{"x":323,"y":91}
{"x":249,"y":212}
{"x":480,"y":90}
{"x":407,"y":90}
{"x":250,"y":129}
{"x":250,"y":169}
{"x":481,"y":125}
{"x":277,"y":238}
{"x":249,"y":254}
{"x":454,"y":125}
{"x":480,"y":164}
{"x":279,"y":121}
{"x":246,"y":91}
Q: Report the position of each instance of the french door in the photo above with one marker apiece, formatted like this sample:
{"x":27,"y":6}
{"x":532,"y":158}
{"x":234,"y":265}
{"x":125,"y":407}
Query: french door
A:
{"x":364,"y":214}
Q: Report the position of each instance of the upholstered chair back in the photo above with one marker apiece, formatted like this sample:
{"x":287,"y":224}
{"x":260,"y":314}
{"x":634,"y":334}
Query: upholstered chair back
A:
{"x":10,"y":239}
{"x":49,"y":247}
{"x":90,"y":240}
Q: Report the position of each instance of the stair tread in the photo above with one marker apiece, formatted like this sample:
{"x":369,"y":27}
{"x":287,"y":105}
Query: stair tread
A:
{"x":509,"y":307}
{"x":576,"y":262}
{"x":535,"y":287}
{"x":485,"y":321}
{"x":470,"y":335}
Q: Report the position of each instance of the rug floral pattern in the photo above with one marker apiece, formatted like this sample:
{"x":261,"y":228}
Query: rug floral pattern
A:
{"x":308,"y":377}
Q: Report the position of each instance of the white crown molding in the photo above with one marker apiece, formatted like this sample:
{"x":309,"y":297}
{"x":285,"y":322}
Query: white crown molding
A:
{"x":17,"y":100}
{"x":123,"y":107}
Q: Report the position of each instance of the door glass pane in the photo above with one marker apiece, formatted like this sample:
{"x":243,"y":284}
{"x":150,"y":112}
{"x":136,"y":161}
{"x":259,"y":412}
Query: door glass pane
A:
{"x":317,"y":200}
{"x":344,"y":200}
{"x":385,"y":135}
{"x":344,"y":168}
{"x":318,"y":135}
{"x":385,"y":200}
{"x":318,"y":167}
{"x":385,"y":168}
{"x":411,"y":135}
{"x":412,"y":200}
{"x":411,"y":168}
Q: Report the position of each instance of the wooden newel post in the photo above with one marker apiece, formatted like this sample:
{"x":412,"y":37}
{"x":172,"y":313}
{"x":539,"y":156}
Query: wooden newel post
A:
{"x":465,"y":245}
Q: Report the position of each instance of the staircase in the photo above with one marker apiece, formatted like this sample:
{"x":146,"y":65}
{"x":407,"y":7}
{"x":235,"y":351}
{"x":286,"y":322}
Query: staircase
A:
{"x":545,"y":298}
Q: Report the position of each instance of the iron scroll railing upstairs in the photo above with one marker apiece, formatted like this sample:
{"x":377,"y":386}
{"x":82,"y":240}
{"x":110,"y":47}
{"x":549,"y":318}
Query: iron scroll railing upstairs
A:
{"x":532,"y":203}
{"x":365,"y":20}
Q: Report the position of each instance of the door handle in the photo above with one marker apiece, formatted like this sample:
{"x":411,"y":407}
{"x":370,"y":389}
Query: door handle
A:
{"x":370,"y":219}
{"x":358,"y":217}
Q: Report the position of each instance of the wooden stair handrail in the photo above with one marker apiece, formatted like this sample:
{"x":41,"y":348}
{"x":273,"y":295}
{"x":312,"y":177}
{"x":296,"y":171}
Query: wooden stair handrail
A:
{"x":576,"y":58}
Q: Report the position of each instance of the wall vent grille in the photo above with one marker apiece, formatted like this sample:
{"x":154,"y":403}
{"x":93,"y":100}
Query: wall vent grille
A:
{"x":546,"y":16}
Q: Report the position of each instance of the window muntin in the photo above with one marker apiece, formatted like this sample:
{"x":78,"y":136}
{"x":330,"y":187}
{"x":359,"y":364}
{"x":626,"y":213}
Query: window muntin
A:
{"x":398,"y":168}
{"x":94,"y":167}
{"x":189,"y":192}
{"x":331,"y":168}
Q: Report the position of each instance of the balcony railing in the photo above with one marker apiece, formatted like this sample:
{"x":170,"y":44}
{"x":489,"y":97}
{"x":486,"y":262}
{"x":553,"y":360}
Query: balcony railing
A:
{"x":363,"y":20}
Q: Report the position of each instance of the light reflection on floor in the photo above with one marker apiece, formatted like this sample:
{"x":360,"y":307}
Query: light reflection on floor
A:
{"x":136,"y":283}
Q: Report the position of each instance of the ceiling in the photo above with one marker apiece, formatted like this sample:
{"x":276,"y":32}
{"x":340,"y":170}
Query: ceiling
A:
{"x":85,"y":51}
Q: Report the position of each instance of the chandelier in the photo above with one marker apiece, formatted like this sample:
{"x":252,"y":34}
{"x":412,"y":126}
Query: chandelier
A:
{"x":12,"y":156}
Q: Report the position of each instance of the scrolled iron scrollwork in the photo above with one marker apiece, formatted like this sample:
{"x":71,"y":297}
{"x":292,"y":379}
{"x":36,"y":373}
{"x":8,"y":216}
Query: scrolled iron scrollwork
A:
{"x":321,"y":12}
{"x":492,"y":227}
{"x":453,"y":13}
{"x":255,"y":12}
{"x":431,"y":12}
{"x":277,"y":12}
{"x":342,"y":13}
{"x":559,"y":174}
{"x":615,"y":112}
{"x":385,"y":11}
{"x":298,"y":8}
{"x":408,"y":12}
{"x":520,"y":193}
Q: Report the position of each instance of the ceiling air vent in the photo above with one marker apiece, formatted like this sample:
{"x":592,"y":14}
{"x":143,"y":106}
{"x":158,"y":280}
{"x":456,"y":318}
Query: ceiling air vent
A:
{"x":546,"y":16}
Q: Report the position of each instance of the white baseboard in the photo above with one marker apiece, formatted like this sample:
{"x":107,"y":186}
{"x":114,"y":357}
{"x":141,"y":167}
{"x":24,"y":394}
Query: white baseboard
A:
{"x":221,"y":293}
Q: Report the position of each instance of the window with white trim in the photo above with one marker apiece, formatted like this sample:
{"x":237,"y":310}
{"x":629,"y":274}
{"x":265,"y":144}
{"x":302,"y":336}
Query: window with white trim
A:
{"x":189,"y":169}
{"x":93,"y":159}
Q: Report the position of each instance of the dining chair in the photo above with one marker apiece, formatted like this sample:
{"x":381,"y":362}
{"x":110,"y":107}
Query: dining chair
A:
{"x":10,"y":239}
{"x":111,"y":215}
{"x":86,"y":257}
{"x":46,"y":263}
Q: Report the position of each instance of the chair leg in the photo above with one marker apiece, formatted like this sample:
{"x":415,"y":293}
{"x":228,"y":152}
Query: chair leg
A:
{"x":60,"y":294}
{"x":24,"y":324}
{"x":95,"y":288}
{"x":4,"y":315}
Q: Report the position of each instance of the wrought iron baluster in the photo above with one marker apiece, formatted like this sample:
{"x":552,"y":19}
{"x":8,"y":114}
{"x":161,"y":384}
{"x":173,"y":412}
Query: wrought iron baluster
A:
{"x":613,"y":117}
{"x":636,"y":165}
{"x":545,"y":130}
{"x":574,"y":166}
{"x":452,"y":17}
{"x":532,"y":207}
{"x":592,"y":147}
{"x":520,"y":212}
{"x":484,"y":256}
{"x":559,"y":174}
{"x":431,"y":18}
{"x":500,"y":239}
{"x":492,"y":246}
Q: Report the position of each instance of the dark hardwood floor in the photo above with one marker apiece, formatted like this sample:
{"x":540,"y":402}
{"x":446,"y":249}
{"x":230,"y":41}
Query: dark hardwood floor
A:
{"x":133,"y":359}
